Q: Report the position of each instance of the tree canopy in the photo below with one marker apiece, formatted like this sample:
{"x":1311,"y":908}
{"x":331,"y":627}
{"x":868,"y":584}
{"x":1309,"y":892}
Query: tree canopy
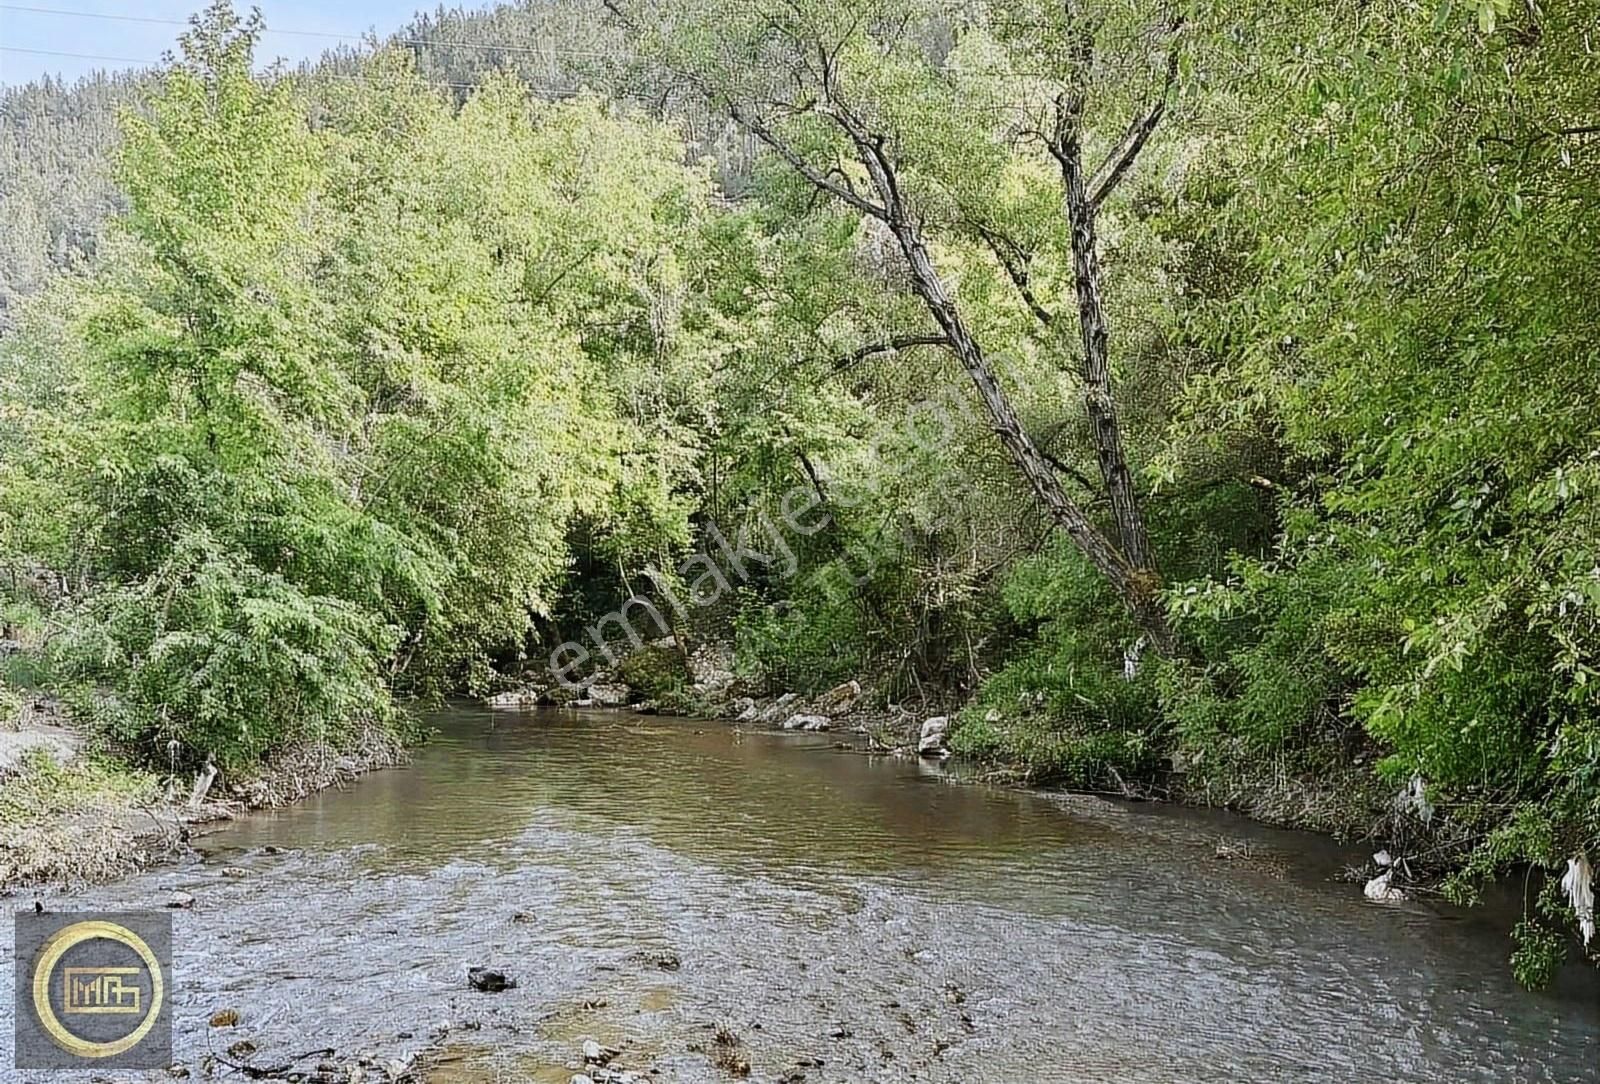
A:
{"x":1201,"y":396}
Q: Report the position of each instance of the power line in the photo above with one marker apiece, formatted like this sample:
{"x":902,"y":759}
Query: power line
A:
{"x":156,"y":21}
{"x":77,"y":56}
{"x":440,"y":43}
{"x":309,"y":74}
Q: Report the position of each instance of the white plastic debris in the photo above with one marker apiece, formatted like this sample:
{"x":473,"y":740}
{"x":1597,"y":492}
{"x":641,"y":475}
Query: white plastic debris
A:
{"x":1413,"y":799}
{"x":1131,"y":656}
{"x":1379,"y":890}
{"x":1578,"y":884}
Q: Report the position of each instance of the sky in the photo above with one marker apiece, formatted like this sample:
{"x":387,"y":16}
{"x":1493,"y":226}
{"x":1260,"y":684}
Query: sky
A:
{"x":126,"y":43}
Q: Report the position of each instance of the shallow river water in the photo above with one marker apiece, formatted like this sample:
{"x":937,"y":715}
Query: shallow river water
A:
{"x":848,"y":918}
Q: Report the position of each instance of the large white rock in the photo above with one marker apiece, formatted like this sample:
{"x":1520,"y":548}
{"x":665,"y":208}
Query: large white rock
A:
{"x":807,"y":722}
{"x":931,"y":743}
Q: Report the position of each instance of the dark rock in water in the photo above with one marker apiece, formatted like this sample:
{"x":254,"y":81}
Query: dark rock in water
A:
{"x":489,"y":980}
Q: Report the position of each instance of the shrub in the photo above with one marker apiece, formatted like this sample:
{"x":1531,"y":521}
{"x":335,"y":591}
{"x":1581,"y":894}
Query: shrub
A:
{"x":654,"y":670}
{"x":809,"y":642}
{"x":1062,"y":707}
{"x":212,"y":653}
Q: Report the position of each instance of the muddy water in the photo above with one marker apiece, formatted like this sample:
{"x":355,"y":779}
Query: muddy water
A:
{"x":848,"y":918}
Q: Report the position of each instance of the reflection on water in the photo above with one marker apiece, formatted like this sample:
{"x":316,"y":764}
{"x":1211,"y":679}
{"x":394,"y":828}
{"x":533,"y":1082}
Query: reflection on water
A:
{"x":830,"y":908}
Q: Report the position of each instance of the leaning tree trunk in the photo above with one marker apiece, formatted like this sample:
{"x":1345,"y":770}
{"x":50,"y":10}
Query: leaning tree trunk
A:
{"x":1096,"y":370}
{"x":1133,"y":583}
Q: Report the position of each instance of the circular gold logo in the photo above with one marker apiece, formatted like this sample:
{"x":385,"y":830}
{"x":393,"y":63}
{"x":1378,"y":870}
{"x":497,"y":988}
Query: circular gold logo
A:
{"x":94,"y":991}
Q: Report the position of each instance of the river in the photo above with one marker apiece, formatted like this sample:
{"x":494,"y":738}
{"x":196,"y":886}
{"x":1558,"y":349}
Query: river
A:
{"x":848,"y":918}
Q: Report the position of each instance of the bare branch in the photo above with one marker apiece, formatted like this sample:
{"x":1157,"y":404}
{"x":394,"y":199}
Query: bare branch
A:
{"x":753,"y":123}
{"x":820,"y":180}
{"x":811,"y":473}
{"x":899,"y":342}
{"x":1015,"y":261}
{"x":1070,"y":471}
{"x":1117,"y":164}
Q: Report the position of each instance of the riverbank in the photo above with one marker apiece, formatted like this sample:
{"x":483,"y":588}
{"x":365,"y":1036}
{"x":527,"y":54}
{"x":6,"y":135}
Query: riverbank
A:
{"x":73,"y":815}
{"x":1338,"y":794}
{"x":1341,"y":800}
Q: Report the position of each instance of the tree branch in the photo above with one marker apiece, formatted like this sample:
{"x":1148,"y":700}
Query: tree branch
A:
{"x":899,"y":342}
{"x":757,"y":127}
{"x":1117,"y":164}
{"x":820,"y":180}
{"x":1071,"y":472}
{"x":811,"y":473}
{"x":1015,"y":261}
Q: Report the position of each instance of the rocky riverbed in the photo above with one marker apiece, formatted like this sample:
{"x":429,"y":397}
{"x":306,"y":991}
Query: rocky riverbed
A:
{"x":703,"y":902}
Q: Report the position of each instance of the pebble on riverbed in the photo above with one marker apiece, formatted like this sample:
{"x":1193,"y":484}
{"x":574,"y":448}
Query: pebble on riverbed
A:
{"x":596,"y":1054}
{"x":726,"y":1055}
{"x":598,"y":1075}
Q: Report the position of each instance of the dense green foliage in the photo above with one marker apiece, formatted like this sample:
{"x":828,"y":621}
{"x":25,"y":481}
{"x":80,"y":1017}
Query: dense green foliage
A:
{"x":396,"y":372}
{"x":318,"y":423}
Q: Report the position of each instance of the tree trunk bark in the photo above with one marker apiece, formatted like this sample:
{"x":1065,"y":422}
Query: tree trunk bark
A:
{"x":1097,"y":392}
{"x":1134,"y":584}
